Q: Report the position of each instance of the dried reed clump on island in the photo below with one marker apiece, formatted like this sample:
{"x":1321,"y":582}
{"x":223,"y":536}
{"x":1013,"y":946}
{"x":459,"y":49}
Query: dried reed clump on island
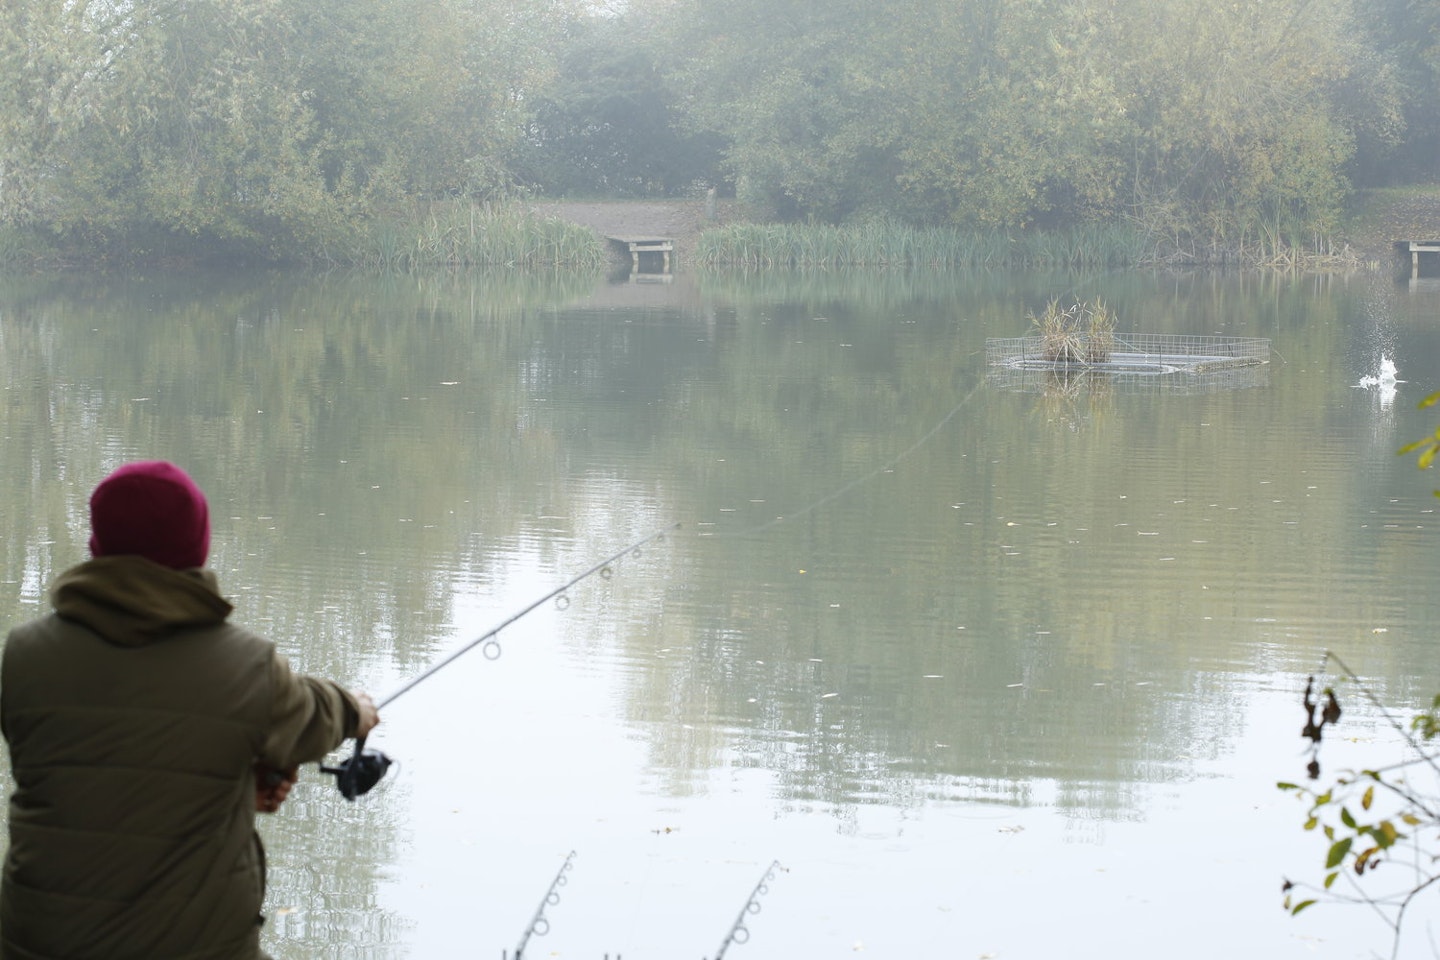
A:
{"x":1083,"y":333}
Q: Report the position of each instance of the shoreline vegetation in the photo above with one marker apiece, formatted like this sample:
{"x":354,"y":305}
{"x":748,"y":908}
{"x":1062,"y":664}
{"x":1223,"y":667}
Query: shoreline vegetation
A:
{"x":453,"y":234}
{"x":400,"y":134}
{"x":760,"y":245}
{"x":460,"y":234}
{"x":474,"y":235}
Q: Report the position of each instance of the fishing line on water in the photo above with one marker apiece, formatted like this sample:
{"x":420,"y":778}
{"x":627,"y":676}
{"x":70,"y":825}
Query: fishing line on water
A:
{"x":883,"y":468}
{"x":489,"y":643}
{"x":643,"y":890}
{"x":360,"y":772}
{"x":840,"y":491}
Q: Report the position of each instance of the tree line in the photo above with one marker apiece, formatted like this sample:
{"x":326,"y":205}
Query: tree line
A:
{"x":286,"y":128}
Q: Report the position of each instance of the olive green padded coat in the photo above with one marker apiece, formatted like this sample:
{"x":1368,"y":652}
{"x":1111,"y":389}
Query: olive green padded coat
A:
{"x":135,"y":715}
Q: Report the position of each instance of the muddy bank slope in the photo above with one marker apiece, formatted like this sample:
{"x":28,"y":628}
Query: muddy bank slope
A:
{"x":1383,"y":217}
{"x":681,"y":220}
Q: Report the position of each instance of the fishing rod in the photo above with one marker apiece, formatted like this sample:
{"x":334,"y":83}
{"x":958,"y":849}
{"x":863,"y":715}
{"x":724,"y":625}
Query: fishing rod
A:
{"x":540,"y":924}
{"x":358,"y":773}
{"x":740,"y":933}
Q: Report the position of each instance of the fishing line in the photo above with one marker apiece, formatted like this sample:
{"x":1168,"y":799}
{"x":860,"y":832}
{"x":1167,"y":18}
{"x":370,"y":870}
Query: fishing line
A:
{"x":883,"y":468}
{"x":851,"y":485}
{"x":360,"y":772}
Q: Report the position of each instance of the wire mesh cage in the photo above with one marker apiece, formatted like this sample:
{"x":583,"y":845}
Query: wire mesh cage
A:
{"x":1127,"y":383}
{"x":1133,"y":362}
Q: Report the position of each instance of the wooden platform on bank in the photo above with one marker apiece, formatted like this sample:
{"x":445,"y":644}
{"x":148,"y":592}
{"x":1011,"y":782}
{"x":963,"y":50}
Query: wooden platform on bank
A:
{"x":1415,"y":248}
{"x":664,"y":246}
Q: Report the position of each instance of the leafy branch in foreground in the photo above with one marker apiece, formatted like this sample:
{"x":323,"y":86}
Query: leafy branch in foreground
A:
{"x":1427,"y":447}
{"x":1380,"y":815}
{"x":1371,"y":817}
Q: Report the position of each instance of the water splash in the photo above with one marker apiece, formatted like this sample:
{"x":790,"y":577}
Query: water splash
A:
{"x":1384,"y":382}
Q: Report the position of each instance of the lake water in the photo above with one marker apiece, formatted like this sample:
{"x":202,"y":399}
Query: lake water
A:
{"x":990,"y":666}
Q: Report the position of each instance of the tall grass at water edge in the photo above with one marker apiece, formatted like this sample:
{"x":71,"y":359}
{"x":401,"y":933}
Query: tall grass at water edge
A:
{"x":875,"y":245}
{"x":1083,"y":333}
{"x":468,"y":234}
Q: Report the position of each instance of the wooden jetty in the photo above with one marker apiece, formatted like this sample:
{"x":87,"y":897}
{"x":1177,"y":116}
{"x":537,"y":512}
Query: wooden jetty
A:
{"x":1415,"y":248}
{"x":646,"y":244}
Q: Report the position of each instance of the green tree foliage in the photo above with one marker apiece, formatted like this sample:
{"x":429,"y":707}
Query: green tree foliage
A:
{"x":1020,"y":111}
{"x":802,"y":94}
{"x":1234,"y":127}
{"x":280,"y":125}
{"x":198,"y":133}
{"x":1185,"y":116}
{"x":56,"y":61}
{"x":609,"y":124}
{"x":274,"y":126}
{"x":426,"y":97}
{"x":1404,"y":39}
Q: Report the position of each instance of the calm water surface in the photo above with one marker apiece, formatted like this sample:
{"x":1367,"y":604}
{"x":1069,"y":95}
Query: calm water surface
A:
{"x":992,"y":667}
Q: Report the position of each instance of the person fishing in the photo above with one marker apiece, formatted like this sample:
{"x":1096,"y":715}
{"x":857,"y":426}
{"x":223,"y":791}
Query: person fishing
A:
{"x":144,"y":732}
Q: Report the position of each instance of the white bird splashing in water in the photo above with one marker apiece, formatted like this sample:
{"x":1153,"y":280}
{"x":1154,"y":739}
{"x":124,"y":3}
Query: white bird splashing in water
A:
{"x":1384,"y":382}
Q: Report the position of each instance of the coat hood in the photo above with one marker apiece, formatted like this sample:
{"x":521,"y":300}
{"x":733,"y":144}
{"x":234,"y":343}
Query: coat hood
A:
{"x":131,"y":601}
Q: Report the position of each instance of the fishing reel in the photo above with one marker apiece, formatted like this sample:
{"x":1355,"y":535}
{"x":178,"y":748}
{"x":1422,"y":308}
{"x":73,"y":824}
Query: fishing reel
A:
{"x":358,"y":773}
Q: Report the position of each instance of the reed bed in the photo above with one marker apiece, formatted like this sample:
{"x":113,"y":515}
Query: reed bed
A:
{"x":1083,"y":333}
{"x":881,"y":244}
{"x":478,"y":235}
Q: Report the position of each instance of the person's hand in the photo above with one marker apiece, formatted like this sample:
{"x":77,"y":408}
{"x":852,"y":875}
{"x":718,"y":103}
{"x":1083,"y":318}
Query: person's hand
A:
{"x":369,"y":716}
{"x":272,"y":786}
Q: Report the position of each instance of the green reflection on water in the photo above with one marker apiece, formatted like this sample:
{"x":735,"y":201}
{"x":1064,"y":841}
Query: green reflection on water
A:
{"x":898,"y":582}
